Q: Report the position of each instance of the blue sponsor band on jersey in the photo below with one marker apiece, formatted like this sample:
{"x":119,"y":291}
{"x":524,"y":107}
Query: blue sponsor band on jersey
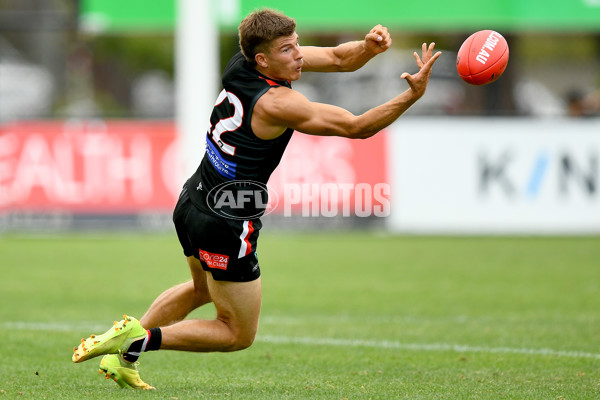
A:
{"x":223,"y":167}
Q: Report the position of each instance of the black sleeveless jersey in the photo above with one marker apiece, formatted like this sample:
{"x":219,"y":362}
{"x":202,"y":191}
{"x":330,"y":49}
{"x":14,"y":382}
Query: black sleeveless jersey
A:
{"x":236,"y":159}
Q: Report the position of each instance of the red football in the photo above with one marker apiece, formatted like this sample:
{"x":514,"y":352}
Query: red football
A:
{"x":482,"y":58}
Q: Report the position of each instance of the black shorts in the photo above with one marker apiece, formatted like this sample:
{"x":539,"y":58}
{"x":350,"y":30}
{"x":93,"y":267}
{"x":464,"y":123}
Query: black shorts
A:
{"x":225,"y":247}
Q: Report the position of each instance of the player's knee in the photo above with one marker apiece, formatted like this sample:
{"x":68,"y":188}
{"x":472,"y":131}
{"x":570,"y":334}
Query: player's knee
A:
{"x":245,"y":341}
{"x":240,"y":340}
{"x":240,"y":332}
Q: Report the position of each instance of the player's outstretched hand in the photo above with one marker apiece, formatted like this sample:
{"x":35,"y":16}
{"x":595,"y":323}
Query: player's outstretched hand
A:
{"x":378,"y":39}
{"x":418,"y":82}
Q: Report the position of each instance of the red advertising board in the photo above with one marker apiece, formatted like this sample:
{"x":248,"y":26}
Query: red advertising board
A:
{"x":114,"y":167}
{"x":91,"y":166}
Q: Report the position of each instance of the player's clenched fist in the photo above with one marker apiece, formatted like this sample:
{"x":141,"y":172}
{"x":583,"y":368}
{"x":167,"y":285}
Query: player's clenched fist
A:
{"x":378,"y":39}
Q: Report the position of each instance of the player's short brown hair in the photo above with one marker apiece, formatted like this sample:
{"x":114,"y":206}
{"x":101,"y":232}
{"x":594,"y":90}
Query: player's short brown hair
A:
{"x":259,"y":28}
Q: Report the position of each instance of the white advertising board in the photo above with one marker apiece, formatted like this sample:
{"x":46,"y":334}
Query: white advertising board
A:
{"x":495,"y":175}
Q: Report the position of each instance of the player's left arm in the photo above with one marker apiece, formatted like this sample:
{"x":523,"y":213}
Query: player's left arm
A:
{"x":348,"y":56}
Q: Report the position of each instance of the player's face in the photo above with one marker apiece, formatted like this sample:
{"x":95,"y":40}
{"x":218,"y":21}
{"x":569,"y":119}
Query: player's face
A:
{"x":284,"y":59}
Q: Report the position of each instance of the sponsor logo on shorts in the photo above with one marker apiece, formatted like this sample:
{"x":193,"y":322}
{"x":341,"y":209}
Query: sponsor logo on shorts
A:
{"x":214,"y":260}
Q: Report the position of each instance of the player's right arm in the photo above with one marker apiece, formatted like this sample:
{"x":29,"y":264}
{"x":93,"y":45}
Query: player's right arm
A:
{"x":348,"y":56}
{"x":281,"y":108}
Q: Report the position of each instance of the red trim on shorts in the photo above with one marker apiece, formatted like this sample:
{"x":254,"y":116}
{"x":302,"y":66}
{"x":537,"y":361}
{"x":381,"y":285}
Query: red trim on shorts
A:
{"x":248,"y":244}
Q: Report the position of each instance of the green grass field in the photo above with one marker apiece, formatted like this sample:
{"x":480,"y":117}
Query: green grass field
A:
{"x":345,"y":316}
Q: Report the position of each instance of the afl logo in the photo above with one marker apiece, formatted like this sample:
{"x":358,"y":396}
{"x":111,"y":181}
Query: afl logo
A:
{"x":241,"y":199}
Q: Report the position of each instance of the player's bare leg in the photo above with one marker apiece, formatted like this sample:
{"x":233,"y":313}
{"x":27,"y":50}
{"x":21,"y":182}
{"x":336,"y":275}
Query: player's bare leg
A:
{"x":238,"y":309}
{"x":174,"y":304}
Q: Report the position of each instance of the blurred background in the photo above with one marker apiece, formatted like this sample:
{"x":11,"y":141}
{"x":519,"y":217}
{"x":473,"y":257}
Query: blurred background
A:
{"x":104,"y":105}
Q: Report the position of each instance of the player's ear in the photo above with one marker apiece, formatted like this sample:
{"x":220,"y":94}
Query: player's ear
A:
{"x":261,"y":60}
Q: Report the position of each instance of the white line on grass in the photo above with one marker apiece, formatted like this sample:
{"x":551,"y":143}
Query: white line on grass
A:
{"x":385,"y":344}
{"x":315,"y":341}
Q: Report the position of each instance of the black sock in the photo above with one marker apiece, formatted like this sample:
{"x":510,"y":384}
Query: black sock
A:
{"x":148,"y":343}
{"x":155,"y":339}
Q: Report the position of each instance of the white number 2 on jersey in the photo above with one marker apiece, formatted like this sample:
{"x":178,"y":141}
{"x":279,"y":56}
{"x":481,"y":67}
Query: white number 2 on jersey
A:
{"x":227,"y":124}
